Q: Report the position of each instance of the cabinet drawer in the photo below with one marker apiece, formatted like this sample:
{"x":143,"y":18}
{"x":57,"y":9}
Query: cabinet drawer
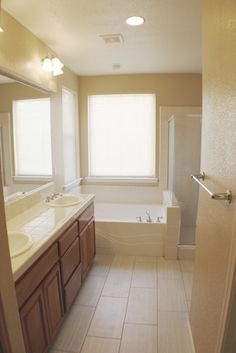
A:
{"x":68,"y":237}
{"x":70,"y":261}
{"x":72,"y":287}
{"x":85,"y":217}
{"x":36,"y":273}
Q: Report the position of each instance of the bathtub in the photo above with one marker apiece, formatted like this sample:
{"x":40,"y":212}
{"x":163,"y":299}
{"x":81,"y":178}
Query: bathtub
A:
{"x":118,"y":231}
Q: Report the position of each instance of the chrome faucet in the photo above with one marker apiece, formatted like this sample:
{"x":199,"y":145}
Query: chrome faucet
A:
{"x":139,"y":218}
{"x":53,"y":196}
{"x":159,"y":219}
{"x":149,"y":220}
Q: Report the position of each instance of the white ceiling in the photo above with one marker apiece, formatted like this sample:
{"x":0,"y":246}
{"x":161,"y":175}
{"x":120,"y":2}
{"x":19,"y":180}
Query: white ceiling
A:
{"x":168,"y":42}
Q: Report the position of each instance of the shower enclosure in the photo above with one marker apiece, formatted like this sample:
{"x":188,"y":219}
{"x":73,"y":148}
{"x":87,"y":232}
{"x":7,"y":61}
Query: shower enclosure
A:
{"x":184,"y":140}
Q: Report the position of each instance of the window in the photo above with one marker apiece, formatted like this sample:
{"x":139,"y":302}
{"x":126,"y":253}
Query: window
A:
{"x":32,"y":137}
{"x":69,"y":136}
{"x":122,"y":132}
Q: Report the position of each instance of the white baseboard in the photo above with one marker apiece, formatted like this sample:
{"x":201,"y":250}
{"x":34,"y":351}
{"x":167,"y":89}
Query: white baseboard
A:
{"x":186,"y":252}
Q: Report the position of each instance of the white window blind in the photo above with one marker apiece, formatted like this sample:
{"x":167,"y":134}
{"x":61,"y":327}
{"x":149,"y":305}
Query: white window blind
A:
{"x":32,"y":137}
{"x":69,"y":136}
{"x":122,"y":133}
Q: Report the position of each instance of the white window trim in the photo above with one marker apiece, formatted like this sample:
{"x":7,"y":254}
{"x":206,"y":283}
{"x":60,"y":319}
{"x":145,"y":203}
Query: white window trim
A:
{"x":116,"y":180}
{"x":78,"y":180}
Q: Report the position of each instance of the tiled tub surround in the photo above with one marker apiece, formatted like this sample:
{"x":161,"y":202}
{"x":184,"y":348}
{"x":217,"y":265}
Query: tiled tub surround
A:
{"x":43,"y":223}
{"x":130,"y":304}
{"x":119,"y":232}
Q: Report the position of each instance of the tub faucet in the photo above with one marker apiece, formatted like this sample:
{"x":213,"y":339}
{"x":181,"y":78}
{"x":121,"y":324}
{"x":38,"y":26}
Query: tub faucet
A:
{"x":139,"y":218}
{"x":149,"y":220}
{"x":159,"y":219}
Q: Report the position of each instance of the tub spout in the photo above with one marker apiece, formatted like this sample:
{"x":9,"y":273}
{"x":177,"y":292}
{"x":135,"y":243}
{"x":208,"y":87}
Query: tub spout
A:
{"x":149,"y":220}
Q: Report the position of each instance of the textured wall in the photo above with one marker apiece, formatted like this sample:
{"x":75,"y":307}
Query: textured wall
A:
{"x":215,"y":231}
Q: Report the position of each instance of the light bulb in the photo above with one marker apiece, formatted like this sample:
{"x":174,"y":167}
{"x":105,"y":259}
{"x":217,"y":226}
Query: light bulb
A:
{"x":56,"y":63}
{"x":1,"y":30}
{"x":57,"y":71}
{"x":47,"y":64}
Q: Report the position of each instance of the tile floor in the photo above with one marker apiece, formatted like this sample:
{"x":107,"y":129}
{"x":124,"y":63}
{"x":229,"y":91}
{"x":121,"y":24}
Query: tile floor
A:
{"x":130,"y":305}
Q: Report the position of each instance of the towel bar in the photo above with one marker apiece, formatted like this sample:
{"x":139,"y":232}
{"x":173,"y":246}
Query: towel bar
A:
{"x":215,"y":196}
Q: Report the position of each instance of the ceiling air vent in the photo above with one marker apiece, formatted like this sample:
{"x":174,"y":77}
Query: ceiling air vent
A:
{"x":112,"y":38}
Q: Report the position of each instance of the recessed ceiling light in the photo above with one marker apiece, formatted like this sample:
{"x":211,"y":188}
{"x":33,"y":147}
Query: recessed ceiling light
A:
{"x":135,"y":21}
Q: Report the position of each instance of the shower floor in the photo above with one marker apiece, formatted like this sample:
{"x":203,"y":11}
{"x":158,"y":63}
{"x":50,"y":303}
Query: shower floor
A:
{"x":130,"y":304}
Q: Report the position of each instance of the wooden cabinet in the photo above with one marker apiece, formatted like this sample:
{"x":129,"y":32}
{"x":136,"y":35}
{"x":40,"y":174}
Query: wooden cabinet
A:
{"x":87,"y":239}
{"x":84,"y":250}
{"x":70,"y":265}
{"x":53,"y":300}
{"x":39,"y":295}
{"x":34,"y":323}
{"x":91,"y":242}
{"x":47,"y":290}
{"x":42,"y":314}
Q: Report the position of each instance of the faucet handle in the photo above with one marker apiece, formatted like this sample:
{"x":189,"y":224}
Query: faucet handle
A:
{"x":139,"y":218}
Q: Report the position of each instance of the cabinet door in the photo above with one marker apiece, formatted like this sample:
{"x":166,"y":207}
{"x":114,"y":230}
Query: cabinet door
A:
{"x":34,"y":323}
{"x":91,"y":241}
{"x":84,"y":251}
{"x":52,"y":290}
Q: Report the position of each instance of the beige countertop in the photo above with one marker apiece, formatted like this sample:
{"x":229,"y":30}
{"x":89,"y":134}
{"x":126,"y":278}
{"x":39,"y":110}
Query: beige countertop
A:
{"x":44,"y":224}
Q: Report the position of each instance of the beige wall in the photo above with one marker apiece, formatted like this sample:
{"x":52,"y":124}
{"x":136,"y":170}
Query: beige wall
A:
{"x":216,"y":233}
{"x":170,"y":90}
{"x":21,"y":53}
{"x":20,"y":56}
{"x":14,"y":91}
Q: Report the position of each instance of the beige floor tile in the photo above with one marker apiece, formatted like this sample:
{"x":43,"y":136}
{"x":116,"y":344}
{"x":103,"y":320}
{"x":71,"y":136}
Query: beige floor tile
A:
{"x":188,"y":284}
{"x":91,"y":290}
{"x":168,"y":269}
{"x":146,"y":259}
{"x":139,"y":339}
{"x":119,"y":278}
{"x":171,"y":295}
{"x":187,"y":265}
{"x":109,"y":318}
{"x":74,"y":329}
{"x":101,"y":265}
{"x":173,"y":333}
{"x":144,"y":275}
{"x":142,"y":306}
{"x":100,"y":345}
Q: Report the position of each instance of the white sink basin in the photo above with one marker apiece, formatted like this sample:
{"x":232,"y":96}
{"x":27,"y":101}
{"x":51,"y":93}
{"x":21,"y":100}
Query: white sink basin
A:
{"x":19,"y":242}
{"x":64,"y":200}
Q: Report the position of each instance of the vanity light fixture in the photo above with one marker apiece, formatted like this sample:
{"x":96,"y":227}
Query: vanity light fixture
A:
{"x":53,"y":65}
{"x":135,"y":21}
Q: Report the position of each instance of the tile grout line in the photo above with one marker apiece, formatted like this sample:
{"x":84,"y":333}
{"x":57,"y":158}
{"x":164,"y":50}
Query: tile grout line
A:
{"x":122,"y":331}
{"x":95,"y":308}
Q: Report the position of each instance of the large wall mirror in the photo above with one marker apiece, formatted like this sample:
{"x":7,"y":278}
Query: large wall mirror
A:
{"x":25,"y":138}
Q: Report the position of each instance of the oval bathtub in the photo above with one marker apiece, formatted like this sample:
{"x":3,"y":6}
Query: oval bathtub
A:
{"x":118,"y":231}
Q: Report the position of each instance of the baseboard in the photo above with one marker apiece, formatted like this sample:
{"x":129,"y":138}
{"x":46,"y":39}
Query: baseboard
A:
{"x":186,"y":252}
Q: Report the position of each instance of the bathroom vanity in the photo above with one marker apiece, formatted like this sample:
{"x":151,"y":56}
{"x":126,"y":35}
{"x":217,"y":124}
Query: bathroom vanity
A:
{"x":47,"y":289}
